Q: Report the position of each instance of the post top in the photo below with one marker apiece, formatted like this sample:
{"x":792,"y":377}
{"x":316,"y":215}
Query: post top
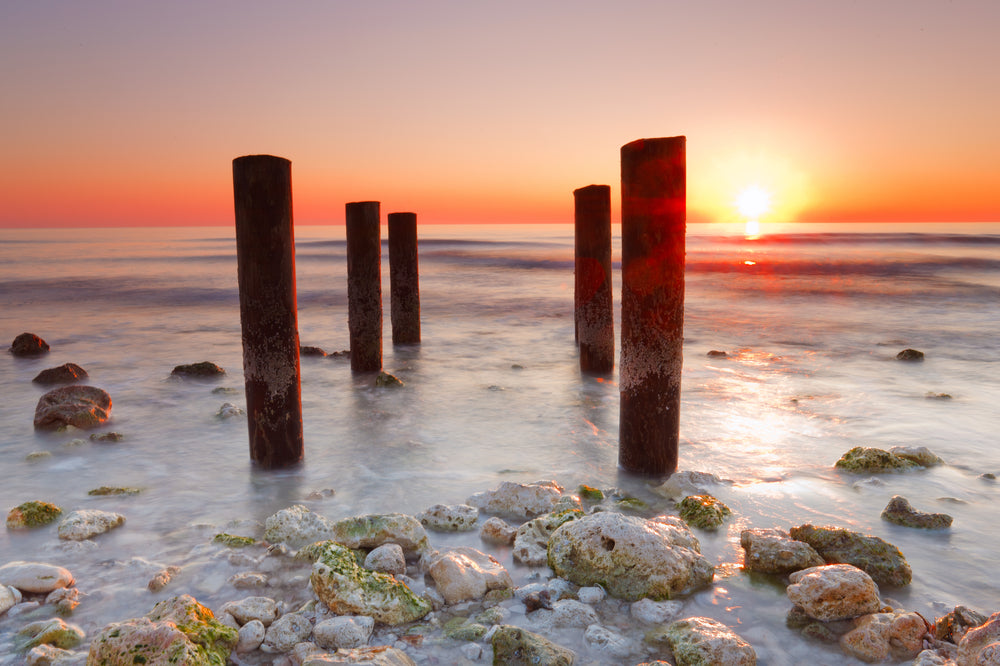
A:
{"x":260,"y":158}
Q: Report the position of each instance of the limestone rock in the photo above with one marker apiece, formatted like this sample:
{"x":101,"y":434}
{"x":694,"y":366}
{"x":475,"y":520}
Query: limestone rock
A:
{"x":465,"y":573}
{"x":513,"y":646}
{"x":700,"y":640}
{"x":775,"y":552}
{"x":53,"y":632}
{"x":49,"y":655}
{"x":28,"y":344}
{"x":867,"y":460}
{"x":373,"y":530}
{"x":900,"y":512}
{"x":953,"y":625}
{"x":261,"y":609}
{"x":344,"y":632}
{"x":202,"y":369}
{"x":67,"y":373}
{"x":250,"y":636}
{"x":518,"y":500}
{"x":384,"y":379}
{"x":32,"y":514}
{"x":9,"y":597}
{"x":65,"y":599}
{"x":453,"y":518}
{"x":878,"y":558}
{"x":34,"y":577}
{"x":703,"y":511}
{"x":498,"y":531}
{"x":684,"y":483}
{"x":348,"y":589}
{"x":980,"y":646}
{"x":531,"y":540}
{"x":921,"y":455}
{"x":629,"y":557}
{"x":608,"y":641}
{"x":297,"y":526}
{"x":648,"y":611}
{"x":381,"y":655}
{"x":881,"y":636}
{"x":566,"y":613}
{"x":86,"y":523}
{"x":387,"y":558}
{"x":162,"y":578}
{"x":77,"y":406}
{"x":285,"y":632}
{"x":833,"y":592}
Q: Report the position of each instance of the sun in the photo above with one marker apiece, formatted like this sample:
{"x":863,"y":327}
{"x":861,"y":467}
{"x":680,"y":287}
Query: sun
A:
{"x":752,"y":202}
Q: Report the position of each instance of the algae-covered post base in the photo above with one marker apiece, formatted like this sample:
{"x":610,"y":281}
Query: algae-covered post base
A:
{"x":265,"y":254}
{"x":654,"y":206}
{"x":593,"y":310}
{"x":404,"y":281}
{"x":364,"y":286}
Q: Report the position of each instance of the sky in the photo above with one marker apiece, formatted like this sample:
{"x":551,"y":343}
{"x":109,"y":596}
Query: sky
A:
{"x":130,"y":112}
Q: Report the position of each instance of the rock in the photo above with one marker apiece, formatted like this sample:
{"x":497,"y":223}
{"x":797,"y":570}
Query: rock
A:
{"x":373,"y":530}
{"x":454,"y":518}
{"x":465,"y":573}
{"x":162,"y":578}
{"x":347,"y":589}
{"x":285,"y":632}
{"x":228,"y":411}
{"x":53,"y":632}
{"x":344,"y":632}
{"x":865,"y":460}
{"x":261,"y":609}
{"x":607,"y":641}
{"x":113,"y":490}
{"x":297,"y":526}
{"x":566,"y":613}
{"x":879,"y":559}
{"x":979,"y":646}
{"x":65,"y":599}
{"x":387,"y":558}
{"x":513,"y":646}
{"x":463,"y":629}
{"x":920,"y":455}
{"x":682,"y":484}
{"x":9,"y":597}
{"x":77,"y":406}
{"x":881,"y":636}
{"x":86,"y":523}
{"x":775,"y":552}
{"x":518,"y":500}
{"x":629,"y":557}
{"x":648,"y":611}
{"x":910,"y":355}
{"x":384,"y":379}
{"x":900,"y":512}
{"x":202,"y":369}
{"x":702,"y":641}
{"x":703,"y":511}
{"x":32,"y":514}
{"x":233,"y":541}
{"x":107,"y":437}
{"x":177,"y":631}
{"x":248,"y":580}
{"x":305,"y":350}
{"x":34,"y":577}
{"x":593,"y":594}
{"x":48,"y":655}
{"x":589,"y":493}
{"x":67,"y":373}
{"x":531,"y":540}
{"x":250,"y":636}
{"x":381,"y":655}
{"x":28,"y":344}
{"x":716,"y":353}
{"x":833,"y":592}
{"x":953,"y":625}
{"x":498,"y":531}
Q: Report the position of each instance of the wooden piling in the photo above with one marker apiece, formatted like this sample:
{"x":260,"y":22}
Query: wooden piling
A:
{"x":265,"y":257}
{"x":653,"y":236}
{"x":594,"y":312}
{"x":404,"y":280}
{"x":364,"y":285}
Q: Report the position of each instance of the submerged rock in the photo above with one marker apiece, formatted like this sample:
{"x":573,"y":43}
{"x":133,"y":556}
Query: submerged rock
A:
{"x":201,"y":369}
{"x":54,"y":632}
{"x":374,"y":529}
{"x":28,"y":344}
{"x":384,"y":379}
{"x":518,"y":500}
{"x":114,"y":490}
{"x":32,"y":514}
{"x":697,"y":641}
{"x":376,"y":655}
{"x":513,"y":646}
{"x":465,"y":573}
{"x":776,"y":552}
{"x":297,"y":526}
{"x":881,"y":636}
{"x":306,"y":350}
{"x":682,"y":484}
{"x":866,"y":460}
{"x":876,"y":557}
{"x":900,"y":512}
{"x":84,"y":524}
{"x":833,"y":592}
{"x":67,"y":373}
{"x":703,"y":511}
{"x":910,"y":355}
{"x":920,"y":455}
{"x":630,"y":557}
{"x":77,"y":406}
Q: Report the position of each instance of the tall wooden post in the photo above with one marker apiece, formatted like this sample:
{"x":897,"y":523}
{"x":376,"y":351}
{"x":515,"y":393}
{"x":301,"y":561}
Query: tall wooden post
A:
{"x":594,"y":312}
{"x":654,"y":204}
{"x":404,"y":280}
{"x":364,"y":285}
{"x":265,"y":257}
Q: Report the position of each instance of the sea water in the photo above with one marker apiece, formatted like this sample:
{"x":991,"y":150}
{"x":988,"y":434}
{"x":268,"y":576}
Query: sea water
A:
{"x":811,"y":318}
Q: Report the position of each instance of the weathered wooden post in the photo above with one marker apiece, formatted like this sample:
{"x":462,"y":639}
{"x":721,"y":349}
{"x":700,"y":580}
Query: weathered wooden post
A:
{"x":594,"y":312}
{"x":404,"y":280}
{"x":364,"y":286}
{"x":653,"y":227}
{"x":265,"y":258}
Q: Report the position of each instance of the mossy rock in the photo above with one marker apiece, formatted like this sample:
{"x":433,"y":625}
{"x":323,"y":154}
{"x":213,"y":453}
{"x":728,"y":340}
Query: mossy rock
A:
{"x":384,"y":379}
{"x":590,"y":493}
{"x":866,"y":460}
{"x":703,"y":511}
{"x":201,"y":369}
{"x":464,"y":629}
{"x":632,"y":505}
{"x":233,"y":541}
{"x":514,"y":646}
{"x":878,"y":558}
{"x":113,"y":490}
{"x":910,"y":355}
{"x":32,"y":514}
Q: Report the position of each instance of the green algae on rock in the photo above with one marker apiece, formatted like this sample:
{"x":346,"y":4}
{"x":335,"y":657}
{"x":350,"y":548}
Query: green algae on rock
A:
{"x":384,"y":379}
{"x":32,"y":514}
{"x":514,"y":646}
{"x":866,"y":460}
{"x":113,"y":490}
{"x":703,"y":511}
{"x":53,"y":632}
{"x":900,"y":512}
{"x":233,"y":541}
{"x":878,"y":558}
{"x":590,"y":493}
{"x":701,"y":641}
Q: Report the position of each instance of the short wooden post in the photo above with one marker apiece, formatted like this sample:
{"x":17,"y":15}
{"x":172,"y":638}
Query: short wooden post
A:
{"x":653,"y":228}
{"x":404,"y":287}
{"x":364,"y":285}
{"x":594,"y":312}
{"x":265,"y":257}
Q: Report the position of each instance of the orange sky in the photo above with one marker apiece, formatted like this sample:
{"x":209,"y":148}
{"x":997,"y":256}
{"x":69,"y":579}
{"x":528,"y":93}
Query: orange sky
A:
{"x":119,"y":113}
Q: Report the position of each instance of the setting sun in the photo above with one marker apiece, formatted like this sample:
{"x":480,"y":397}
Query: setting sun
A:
{"x":753,"y":202}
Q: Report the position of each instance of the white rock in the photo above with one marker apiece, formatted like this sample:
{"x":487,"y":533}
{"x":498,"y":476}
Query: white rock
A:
{"x":682,"y":484}
{"x":285,"y":632}
{"x":591,"y":595}
{"x":466,"y":573}
{"x":498,"y":531}
{"x":531,"y":542}
{"x":86,"y":523}
{"x":519,"y":500}
{"x":701,"y":640}
{"x":450,"y":518}
{"x":297,"y":526}
{"x":49,"y":655}
{"x":344,"y":632}
{"x":251,"y":635}
{"x":655,"y":612}
{"x":373,"y":530}
{"x":471,"y":651}
{"x":878,"y":636}
{"x":833,"y":592}
{"x":565,"y":613}
{"x":34,"y":577}
{"x":978,"y":645}
{"x":9,"y":597}
{"x":387,"y":558}
{"x":262,"y":609}
{"x":608,"y":641}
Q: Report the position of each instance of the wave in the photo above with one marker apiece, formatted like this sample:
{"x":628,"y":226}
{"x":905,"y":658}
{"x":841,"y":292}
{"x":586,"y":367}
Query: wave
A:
{"x":857,"y":238}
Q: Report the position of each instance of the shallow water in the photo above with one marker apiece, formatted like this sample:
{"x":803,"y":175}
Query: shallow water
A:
{"x":812,"y":318}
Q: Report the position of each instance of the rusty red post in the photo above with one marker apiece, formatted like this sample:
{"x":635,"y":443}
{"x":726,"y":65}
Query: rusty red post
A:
{"x":364,"y":285}
{"x":404,"y":279}
{"x":265,"y":257}
{"x":594,"y":312}
{"x":654,"y":203}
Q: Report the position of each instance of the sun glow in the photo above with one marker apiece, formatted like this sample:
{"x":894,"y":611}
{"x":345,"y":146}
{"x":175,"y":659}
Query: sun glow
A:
{"x":752,"y":202}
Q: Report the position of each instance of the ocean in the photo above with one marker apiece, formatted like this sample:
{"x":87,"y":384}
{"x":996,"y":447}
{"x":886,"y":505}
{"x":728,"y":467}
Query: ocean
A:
{"x":811,"y":318}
